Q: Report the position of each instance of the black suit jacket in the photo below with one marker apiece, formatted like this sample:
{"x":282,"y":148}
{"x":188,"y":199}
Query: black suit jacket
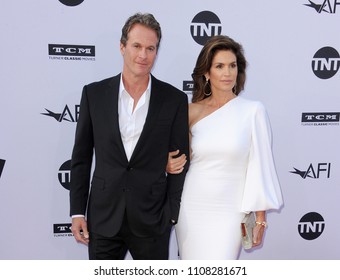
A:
{"x":140,"y":187}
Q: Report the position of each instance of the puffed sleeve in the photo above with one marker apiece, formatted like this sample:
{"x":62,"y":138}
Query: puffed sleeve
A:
{"x":262,"y":189}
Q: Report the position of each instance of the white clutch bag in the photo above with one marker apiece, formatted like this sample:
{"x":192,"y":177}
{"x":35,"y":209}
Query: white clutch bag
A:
{"x":247,"y":226}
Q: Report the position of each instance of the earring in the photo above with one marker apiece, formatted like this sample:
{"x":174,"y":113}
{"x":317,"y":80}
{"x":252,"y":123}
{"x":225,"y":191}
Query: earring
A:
{"x":207,"y":92}
{"x":234,"y":89}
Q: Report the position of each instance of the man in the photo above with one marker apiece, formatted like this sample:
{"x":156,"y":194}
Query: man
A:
{"x":130,"y":122}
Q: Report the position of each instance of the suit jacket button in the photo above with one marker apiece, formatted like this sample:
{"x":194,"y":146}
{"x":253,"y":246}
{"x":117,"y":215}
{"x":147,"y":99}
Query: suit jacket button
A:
{"x":129,"y":168}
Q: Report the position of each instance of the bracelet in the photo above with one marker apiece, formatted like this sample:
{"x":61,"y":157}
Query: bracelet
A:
{"x":264,"y":223}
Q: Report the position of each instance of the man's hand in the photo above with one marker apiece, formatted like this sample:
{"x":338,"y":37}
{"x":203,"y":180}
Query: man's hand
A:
{"x":79,"y":230}
{"x":175,"y":164}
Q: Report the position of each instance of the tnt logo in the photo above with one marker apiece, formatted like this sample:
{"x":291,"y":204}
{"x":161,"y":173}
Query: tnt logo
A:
{"x":64,"y":174}
{"x":204,"y":26}
{"x":71,"y":3}
{"x":311,"y":226}
{"x":326,"y":63}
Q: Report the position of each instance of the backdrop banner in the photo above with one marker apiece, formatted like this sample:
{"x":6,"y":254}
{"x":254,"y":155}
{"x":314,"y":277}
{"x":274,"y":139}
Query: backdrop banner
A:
{"x":51,"y":49}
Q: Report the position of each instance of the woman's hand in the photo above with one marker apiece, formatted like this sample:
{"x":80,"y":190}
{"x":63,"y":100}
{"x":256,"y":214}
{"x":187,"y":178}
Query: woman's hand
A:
{"x":175,"y":163}
{"x":259,"y":228}
{"x":258,"y":233}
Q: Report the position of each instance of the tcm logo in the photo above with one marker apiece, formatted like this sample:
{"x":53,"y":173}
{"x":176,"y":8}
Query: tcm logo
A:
{"x":326,"y":63}
{"x":311,"y":226}
{"x":71,"y":52}
{"x":314,"y":172}
{"x":188,"y":86}
{"x":71,"y":3}
{"x":64,"y":174}
{"x":331,"y":118}
{"x":327,"y":6}
{"x":2,"y":164}
{"x":204,"y":26}
{"x":61,"y":230}
{"x":65,"y":115}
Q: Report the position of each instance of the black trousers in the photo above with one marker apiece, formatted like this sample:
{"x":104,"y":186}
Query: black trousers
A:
{"x":116,"y":247}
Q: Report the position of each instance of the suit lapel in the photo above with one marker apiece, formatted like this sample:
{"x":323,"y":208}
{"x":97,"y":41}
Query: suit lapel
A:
{"x":156,"y":100}
{"x":113,"y":94}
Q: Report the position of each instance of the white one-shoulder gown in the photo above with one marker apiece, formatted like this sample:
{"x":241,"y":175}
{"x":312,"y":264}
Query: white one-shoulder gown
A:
{"x":231,"y":173}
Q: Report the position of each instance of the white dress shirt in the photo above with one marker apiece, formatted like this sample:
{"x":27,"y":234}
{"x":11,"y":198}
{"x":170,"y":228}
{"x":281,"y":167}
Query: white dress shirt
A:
{"x":131,"y":121}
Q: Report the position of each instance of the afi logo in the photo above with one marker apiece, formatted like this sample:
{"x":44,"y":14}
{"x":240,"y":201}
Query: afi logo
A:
{"x":64,"y":174}
{"x":312,"y":172}
{"x":326,"y":6}
{"x":204,"y":26}
{"x":65,"y":115}
{"x":326,"y":63}
{"x":2,"y":164}
{"x":311,"y":226}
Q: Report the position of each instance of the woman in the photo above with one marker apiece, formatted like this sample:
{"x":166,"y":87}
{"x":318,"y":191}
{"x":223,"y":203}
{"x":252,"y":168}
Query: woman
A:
{"x":231,"y":170}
